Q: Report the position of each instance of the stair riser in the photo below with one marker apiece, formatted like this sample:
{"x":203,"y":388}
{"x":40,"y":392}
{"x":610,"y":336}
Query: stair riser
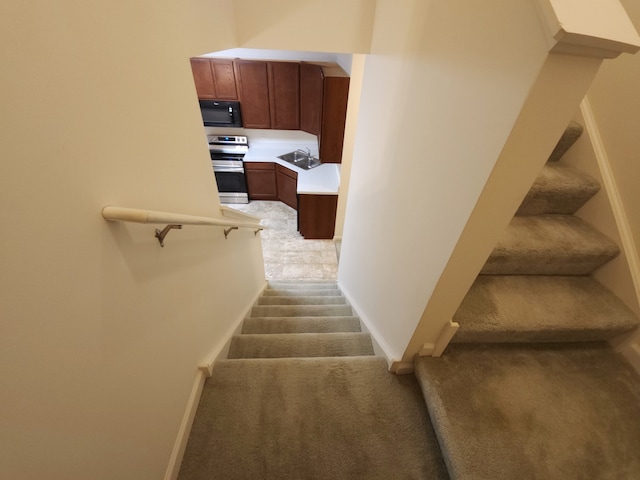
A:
{"x":301,"y":310}
{"x":334,"y":292}
{"x":297,"y":325}
{"x":302,"y":345}
{"x":301,"y":286}
{"x":318,"y":300}
{"x":545,"y":263}
{"x":540,"y":203}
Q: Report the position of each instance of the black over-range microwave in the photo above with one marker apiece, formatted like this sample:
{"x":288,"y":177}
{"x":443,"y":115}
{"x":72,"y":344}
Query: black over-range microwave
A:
{"x":220,"y":114}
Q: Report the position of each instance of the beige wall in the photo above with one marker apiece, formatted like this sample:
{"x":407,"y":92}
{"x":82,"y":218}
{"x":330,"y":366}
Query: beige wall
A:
{"x":101,"y":329}
{"x":440,"y":94}
{"x":313,"y":25}
{"x":615,"y":101}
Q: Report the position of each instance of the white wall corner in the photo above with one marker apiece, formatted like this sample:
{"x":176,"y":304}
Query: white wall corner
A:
{"x":222,"y":348}
{"x":598,"y":28}
{"x":380,"y":347}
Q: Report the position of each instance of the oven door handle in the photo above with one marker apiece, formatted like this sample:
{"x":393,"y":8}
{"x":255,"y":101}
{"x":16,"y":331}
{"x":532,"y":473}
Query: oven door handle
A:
{"x":228,"y":169}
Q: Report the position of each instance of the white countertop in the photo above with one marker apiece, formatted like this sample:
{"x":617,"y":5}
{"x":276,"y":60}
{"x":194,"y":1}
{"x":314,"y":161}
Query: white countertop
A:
{"x":321,"y":180}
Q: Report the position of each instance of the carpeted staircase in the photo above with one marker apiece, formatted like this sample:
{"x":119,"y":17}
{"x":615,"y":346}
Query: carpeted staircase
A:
{"x":301,"y":396}
{"x":529,"y":389}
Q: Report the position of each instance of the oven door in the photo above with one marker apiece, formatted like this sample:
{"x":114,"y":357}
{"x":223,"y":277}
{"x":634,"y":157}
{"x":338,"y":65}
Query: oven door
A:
{"x":232,"y":184}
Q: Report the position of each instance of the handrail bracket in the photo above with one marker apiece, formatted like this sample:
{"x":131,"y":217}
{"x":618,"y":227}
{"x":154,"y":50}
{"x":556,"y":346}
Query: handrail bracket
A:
{"x":227,"y":231}
{"x":160,"y":234}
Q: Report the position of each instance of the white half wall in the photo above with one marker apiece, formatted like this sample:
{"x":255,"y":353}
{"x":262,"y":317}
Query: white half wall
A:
{"x":441,"y":91}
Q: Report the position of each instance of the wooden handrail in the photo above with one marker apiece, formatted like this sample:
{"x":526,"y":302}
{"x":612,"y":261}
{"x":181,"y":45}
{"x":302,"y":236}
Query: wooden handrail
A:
{"x":177,"y":220}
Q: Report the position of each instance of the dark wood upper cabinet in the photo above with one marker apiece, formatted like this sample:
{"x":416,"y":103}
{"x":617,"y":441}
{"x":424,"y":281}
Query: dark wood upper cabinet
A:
{"x":284,"y":95}
{"x":253,"y":88}
{"x":214,"y":79}
{"x":311,"y":92}
{"x":324,"y":91}
{"x":224,"y":79}
{"x":203,"y":78}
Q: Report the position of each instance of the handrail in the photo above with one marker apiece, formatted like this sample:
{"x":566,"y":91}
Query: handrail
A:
{"x":177,"y":220}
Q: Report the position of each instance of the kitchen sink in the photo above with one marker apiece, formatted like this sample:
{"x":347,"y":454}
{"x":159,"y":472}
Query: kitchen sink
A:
{"x":301,"y":159}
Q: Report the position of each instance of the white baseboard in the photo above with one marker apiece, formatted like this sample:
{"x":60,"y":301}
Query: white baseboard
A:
{"x":185,"y":428}
{"x":222,"y":349}
{"x":205,"y":369}
{"x":380,"y":347}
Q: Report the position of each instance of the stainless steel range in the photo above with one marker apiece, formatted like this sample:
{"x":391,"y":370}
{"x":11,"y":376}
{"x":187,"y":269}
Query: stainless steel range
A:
{"x":227,"y":153}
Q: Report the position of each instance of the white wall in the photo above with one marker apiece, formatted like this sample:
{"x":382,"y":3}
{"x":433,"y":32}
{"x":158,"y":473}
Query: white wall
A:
{"x":441,"y":92}
{"x":101,"y":329}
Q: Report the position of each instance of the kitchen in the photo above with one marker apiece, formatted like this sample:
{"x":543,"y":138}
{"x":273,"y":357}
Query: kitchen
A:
{"x":279,"y":118}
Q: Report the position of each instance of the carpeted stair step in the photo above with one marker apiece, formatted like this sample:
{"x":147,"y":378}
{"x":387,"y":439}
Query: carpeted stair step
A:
{"x":301,"y":311}
{"x":549,"y":245}
{"x":301,"y":325}
{"x":296,"y":300}
{"x":312,"y":418}
{"x":569,"y":137}
{"x":559,"y":189}
{"x":307,"y":292}
{"x":300,"y":345}
{"x":537,"y":308}
{"x":538,"y":411}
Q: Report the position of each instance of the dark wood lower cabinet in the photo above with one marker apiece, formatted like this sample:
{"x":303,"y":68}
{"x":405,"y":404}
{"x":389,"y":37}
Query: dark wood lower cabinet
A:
{"x":287,"y":186}
{"x":261,"y":180}
{"x":317,"y":216}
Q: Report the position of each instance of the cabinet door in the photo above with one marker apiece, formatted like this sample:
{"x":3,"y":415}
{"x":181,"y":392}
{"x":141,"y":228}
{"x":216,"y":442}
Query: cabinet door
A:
{"x":317,"y":216}
{"x":334,"y":115}
{"x":284,"y":95}
{"x":203,"y":78}
{"x":287,"y":186}
{"x":261,"y":180}
{"x":224,"y":79}
{"x":311,"y":93}
{"x":253,"y":89}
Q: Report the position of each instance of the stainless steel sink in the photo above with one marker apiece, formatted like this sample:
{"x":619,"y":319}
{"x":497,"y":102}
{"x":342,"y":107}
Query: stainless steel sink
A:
{"x":301,"y":159}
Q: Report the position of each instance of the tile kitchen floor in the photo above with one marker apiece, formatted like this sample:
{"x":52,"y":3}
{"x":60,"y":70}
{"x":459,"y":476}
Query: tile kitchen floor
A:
{"x":287,"y":255}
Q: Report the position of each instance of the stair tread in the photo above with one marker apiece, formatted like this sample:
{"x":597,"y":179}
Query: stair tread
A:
{"x":568,"y":138}
{"x":558,"y":189}
{"x":549,"y":245}
{"x":271,"y":418}
{"x":538,"y":308}
{"x":301,"y":325}
{"x":502,"y":410}
{"x":303,"y":300}
{"x":301,"y":310}
{"x":300,"y":345}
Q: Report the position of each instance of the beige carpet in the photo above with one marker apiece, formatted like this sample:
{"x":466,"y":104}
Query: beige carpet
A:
{"x":299,"y":399}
